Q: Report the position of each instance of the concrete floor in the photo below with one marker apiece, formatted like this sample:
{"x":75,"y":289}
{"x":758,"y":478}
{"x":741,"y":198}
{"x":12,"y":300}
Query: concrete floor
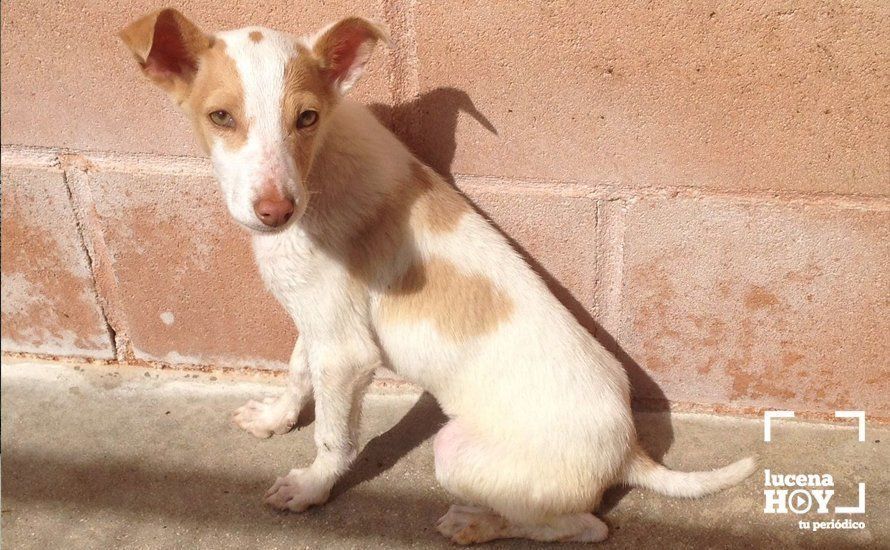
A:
{"x":102,"y":457}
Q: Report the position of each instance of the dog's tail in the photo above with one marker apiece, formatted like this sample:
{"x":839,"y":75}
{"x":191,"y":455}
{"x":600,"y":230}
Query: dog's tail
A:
{"x":644,"y":472}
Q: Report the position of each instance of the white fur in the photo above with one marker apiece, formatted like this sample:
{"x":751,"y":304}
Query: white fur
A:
{"x":540,"y":412}
{"x":262,"y":160}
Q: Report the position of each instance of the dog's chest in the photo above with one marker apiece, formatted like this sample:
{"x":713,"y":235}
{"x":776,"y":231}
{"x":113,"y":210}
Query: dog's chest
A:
{"x":292,"y":266}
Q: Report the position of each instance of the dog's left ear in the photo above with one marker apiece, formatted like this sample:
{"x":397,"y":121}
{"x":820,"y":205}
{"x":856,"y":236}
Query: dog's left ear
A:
{"x":345,"y":48}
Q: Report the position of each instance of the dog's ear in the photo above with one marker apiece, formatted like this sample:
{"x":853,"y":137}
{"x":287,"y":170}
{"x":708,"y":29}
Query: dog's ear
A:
{"x":344,"y":48}
{"x":167,"y":46}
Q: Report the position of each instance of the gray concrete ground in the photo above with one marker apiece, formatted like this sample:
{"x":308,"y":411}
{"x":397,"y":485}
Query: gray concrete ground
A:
{"x":101,"y":457}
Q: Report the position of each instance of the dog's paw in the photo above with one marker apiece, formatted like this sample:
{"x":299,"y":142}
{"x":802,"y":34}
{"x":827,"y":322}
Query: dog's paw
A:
{"x":470,"y":525}
{"x":590,"y":529}
{"x":297,"y":491}
{"x":271,"y":417}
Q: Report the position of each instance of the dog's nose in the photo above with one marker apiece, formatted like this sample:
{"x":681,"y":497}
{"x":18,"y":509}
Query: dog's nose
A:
{"x":273,"y":212}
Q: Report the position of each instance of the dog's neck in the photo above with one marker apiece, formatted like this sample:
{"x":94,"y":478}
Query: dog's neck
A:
{"x":359,"y":167}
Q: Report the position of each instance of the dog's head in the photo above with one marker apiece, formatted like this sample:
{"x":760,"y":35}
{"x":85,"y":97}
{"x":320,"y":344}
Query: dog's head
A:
{"x":259,"y":100}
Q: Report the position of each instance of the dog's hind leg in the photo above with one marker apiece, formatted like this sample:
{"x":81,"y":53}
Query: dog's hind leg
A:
{"x":278,"y":415}
{"x":469,"y":469}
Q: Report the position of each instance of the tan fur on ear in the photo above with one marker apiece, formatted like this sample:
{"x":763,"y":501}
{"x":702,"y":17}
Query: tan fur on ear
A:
{"x":167,"y":46}
{"x":345,"y":47}
{"x":139,"y":34}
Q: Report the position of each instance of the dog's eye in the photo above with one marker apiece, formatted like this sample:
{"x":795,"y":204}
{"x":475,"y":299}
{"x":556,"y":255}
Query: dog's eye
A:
{"x":307,"y":119}
{"x":222,"y":118}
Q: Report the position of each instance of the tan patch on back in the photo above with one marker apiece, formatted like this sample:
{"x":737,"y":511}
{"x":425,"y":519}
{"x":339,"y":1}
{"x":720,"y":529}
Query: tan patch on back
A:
{"x":460,"y":306}
{"x":255,"y":36}
{"x":422,"y":202}
{"x":218,"y":87}
{"x":442,"y":205}
{"x":376,"y":250}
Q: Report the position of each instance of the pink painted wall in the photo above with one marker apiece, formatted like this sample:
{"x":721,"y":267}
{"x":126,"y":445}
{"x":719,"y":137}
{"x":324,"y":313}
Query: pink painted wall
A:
{"x":705,"y":187}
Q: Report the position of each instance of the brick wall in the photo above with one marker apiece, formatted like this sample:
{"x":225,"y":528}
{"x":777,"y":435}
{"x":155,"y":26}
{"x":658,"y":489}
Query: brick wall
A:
{"x":705,"y":186}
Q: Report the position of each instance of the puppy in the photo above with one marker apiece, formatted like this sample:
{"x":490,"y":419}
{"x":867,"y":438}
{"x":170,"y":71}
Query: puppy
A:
{"x":380,"y":262}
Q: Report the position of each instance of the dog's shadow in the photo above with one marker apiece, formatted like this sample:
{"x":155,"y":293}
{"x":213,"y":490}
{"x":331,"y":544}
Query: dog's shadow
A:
{"x":428,"y":125}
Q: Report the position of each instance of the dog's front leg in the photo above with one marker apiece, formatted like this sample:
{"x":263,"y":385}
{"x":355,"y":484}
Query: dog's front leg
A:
{"x":340,"y":380}
{"x":279,"y":415}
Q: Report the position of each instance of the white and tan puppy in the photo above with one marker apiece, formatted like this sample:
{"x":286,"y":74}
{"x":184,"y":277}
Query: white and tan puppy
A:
{"x":380,"y":262}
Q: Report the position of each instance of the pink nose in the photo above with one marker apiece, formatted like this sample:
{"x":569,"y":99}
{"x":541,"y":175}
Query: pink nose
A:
{"x":273,"y":212}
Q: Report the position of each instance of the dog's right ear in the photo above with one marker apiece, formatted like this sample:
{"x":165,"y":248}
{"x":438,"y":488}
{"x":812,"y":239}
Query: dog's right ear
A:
{"x":167,"y":47}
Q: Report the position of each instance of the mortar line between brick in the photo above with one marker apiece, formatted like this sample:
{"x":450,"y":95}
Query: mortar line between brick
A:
{"x":610,"y":264}
{"x":93,"y":241}
{"x":401,"y":62}
{"x":617,"y":290}
{"x":600,"y":249}
{"x":402,"y":54}
{"x":82,"y":238}
{"x":609,"y":243}
{"x":806,"y":417}
{"x":610,"y":192}
{"x":197,"y":166}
